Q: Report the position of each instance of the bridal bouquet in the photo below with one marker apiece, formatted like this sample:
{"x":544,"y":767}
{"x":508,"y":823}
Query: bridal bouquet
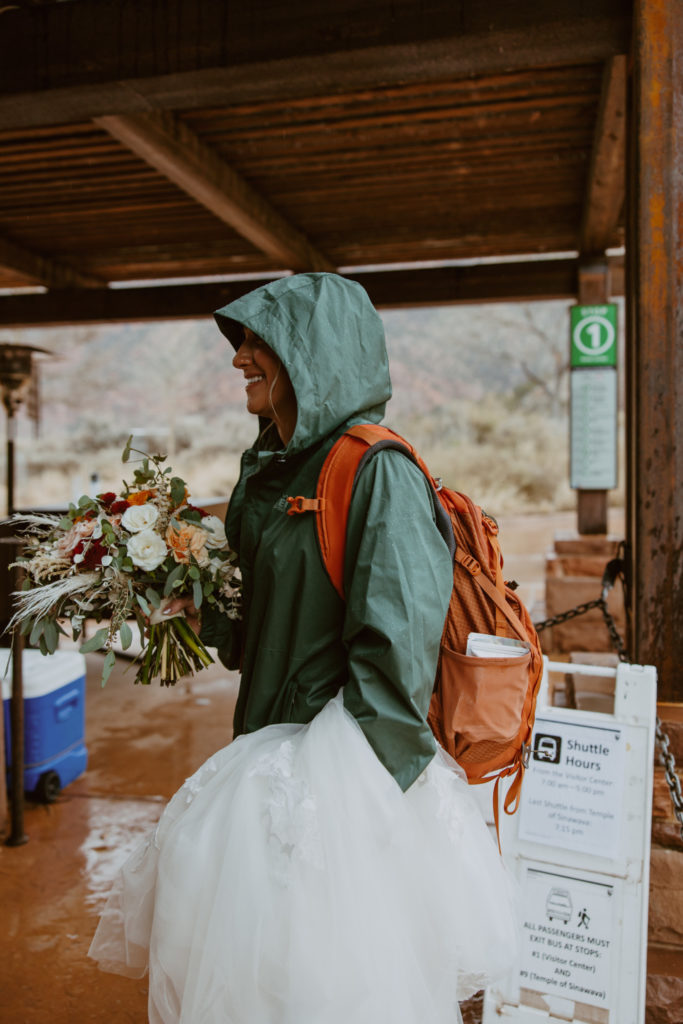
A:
{"x":119,"y":557}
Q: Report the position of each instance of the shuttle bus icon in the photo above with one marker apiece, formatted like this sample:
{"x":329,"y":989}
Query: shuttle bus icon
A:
{"x":548,"y":748}
{"x":558,"y":906}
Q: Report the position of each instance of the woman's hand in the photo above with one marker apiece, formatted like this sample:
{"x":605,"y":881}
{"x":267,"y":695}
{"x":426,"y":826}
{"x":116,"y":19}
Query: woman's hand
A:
{"x":186,"y":605}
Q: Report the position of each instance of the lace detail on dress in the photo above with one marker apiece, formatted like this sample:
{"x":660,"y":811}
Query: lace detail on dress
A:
{"x":469,"y":984}
{"x":196,"y":782}
{"x":291,"y":814}
{"x":450,"y":805}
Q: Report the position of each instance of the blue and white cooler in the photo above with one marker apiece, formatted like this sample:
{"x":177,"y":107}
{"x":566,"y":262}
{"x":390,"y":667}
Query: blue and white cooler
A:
{"x":54,"y":719}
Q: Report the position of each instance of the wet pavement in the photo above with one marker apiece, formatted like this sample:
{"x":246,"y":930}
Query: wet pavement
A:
{"x":142,"y":744}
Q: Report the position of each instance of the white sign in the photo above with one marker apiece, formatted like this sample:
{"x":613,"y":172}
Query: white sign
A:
{"x":580,"y":849}
{"x":593,"y":448}
{"x":568,"y":935}
{"x":573,"y":789}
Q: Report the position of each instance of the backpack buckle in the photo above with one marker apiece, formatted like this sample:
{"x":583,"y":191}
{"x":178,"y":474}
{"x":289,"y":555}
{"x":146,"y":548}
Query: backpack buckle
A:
{"x":301,"y":504}
{"x":470,"y":563}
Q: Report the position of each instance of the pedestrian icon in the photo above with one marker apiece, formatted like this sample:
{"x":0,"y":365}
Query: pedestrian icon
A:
{"x":584,"y":919}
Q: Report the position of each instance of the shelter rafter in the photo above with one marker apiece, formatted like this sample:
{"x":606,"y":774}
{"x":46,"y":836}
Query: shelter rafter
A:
{"x":607,"y":174}
{"x":163,"y":141}
{"x":41,"y":269}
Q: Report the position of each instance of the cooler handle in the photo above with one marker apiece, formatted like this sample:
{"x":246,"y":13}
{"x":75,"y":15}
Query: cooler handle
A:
{"x":66,"y":704}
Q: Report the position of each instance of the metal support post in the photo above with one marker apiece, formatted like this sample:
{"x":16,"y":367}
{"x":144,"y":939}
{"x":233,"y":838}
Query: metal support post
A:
{"x":655,"y":356}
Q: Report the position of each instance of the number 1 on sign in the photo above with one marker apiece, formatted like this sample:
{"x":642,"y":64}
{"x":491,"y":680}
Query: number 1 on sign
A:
{"x":594,"y":330}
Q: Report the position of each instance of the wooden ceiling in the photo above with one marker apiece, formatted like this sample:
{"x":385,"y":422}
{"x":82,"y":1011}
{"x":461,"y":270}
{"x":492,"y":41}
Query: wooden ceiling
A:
{"x":143,"y":141}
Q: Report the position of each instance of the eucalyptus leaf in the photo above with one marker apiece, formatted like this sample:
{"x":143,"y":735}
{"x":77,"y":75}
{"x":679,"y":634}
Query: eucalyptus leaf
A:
{"x":126,"y":635}
{"x":177,"y":490}
{"x":143,"y":604}
{"x":51,"y":634}
{"x":37,"y":631}
{"x":194,"y":572}
{"x":142,"y":626}
{"x":109,"y":662}
{"x":65,"y":523}
{"x":197,"y":594}
{"x":190,"y":515}
{"x":172,"y":578}
{"x":126,"y":451}
{"x":43,"y":646}
{"x":96,"y":642}
{"x":153,"y":597}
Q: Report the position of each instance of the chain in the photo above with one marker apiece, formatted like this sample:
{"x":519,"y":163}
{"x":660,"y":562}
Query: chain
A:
{"x":672,"y":778}
{"x":612,"y":571}
{"x":556,"y":620}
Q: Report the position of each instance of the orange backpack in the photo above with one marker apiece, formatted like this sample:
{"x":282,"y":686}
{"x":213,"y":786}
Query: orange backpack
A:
{"x":482,"y":709}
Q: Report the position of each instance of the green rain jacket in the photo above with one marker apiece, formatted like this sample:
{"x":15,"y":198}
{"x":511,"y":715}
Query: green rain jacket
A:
{"x":299,"y":642}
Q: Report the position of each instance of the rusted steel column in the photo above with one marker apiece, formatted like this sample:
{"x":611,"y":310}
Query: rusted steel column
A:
{"x":3,"y":786}
{"x":655,"y":513}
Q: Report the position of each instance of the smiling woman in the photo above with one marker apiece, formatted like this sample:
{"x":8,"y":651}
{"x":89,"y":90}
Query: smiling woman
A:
{"x":269,"y":390}
{"x":329,"y":865}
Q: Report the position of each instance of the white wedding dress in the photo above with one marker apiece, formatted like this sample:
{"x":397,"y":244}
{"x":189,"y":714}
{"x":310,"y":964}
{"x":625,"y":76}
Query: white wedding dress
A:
{"x":290,"y":881}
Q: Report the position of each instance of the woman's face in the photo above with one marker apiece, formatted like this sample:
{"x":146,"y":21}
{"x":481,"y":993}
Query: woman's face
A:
{"x":269,"y":389}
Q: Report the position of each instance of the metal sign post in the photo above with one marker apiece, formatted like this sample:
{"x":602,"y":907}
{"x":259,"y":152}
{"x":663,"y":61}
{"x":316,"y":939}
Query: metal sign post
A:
{"x":580,"y":849}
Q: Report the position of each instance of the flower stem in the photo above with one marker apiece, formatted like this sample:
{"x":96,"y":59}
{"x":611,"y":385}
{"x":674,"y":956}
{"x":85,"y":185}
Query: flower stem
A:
{"x":191,"y":640}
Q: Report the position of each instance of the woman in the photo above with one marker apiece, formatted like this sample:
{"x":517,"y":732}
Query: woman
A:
{"x":329,"y":866}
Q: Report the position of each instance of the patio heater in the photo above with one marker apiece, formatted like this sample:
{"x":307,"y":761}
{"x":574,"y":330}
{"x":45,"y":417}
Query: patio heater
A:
{"x":16,"y":373}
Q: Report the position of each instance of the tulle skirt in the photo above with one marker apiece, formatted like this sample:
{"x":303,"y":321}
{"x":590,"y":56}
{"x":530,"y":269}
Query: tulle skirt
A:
{"x":290,"y":881}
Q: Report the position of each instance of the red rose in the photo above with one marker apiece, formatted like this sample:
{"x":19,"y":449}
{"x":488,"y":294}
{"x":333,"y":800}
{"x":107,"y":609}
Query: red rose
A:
{"x":92,"y":555}
{"x":107,"y":498}
{"x":119,"y":506}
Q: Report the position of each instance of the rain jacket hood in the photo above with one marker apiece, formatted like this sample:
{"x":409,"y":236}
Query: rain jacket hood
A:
{"x":330,"y":340}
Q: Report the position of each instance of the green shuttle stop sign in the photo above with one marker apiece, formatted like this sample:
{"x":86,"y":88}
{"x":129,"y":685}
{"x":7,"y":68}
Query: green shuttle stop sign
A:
{"x":594,"y":335}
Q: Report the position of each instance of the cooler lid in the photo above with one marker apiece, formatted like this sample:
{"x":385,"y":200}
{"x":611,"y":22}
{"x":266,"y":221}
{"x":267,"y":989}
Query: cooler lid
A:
{"x":42,"y":673}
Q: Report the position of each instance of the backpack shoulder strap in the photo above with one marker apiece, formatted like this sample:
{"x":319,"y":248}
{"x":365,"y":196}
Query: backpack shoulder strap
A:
{"x":346,"y":459}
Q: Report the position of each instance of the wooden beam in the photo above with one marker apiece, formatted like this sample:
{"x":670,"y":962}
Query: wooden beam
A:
{"x":655,"y":352}
{"x":607,"y":173}
{"x":163,"y":141}
{"x":64,"y":63}
{"x":40,"y":269}
{"x":593,"y":291}
{"x":389,"y":289}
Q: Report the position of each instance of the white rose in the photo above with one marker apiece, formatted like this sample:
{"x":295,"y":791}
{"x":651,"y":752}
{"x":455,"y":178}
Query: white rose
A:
{"x":139,"y":517}
{"x":147,"y":549}
{"x":216,"y":531}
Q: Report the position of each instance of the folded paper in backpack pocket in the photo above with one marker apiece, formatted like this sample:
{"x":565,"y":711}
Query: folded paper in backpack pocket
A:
{"x":487,"y":645}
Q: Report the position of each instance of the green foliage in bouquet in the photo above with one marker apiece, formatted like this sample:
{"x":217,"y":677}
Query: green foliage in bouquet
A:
{"x":122,"y":557}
